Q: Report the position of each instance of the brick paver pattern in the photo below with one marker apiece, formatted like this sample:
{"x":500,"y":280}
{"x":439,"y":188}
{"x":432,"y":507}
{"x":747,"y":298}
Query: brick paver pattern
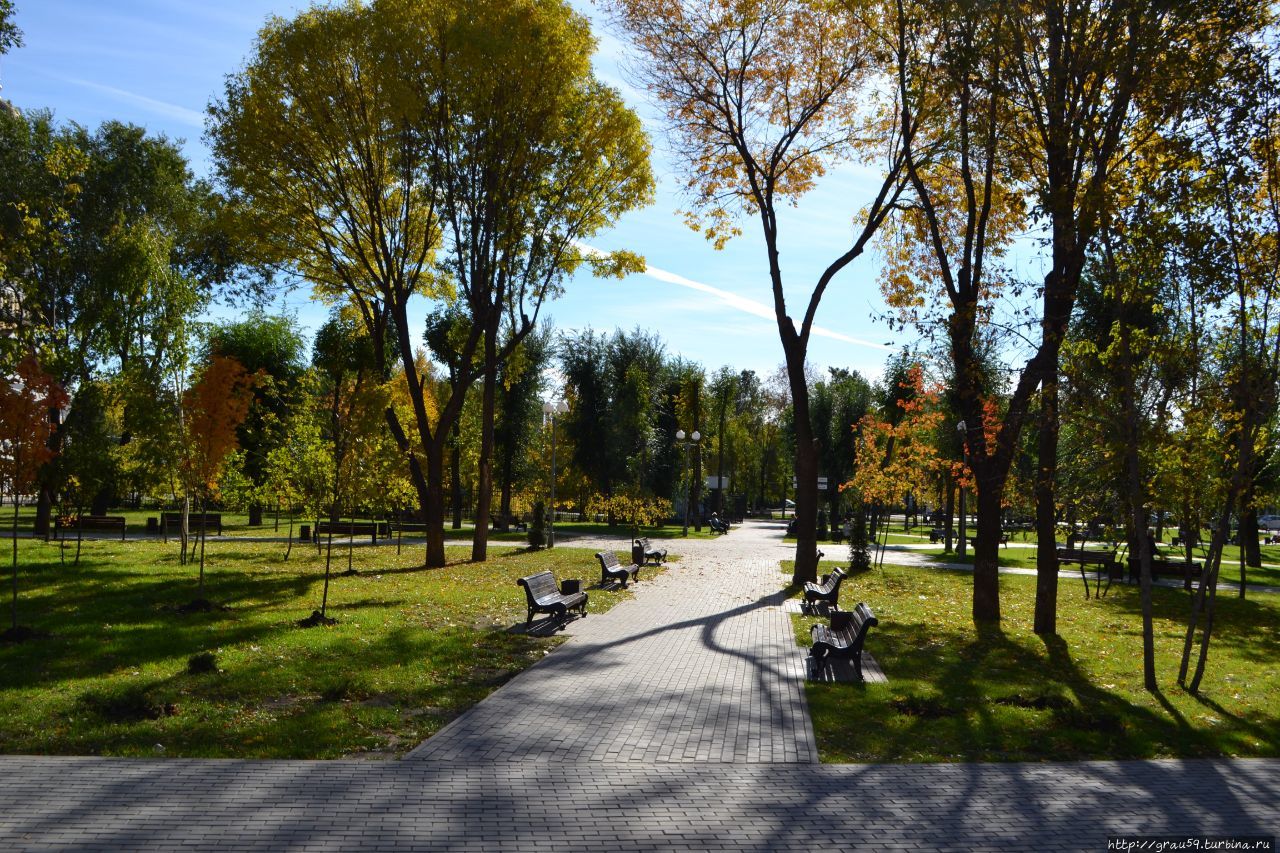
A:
{"x":677,"y":721}
{"x":701,"y":665}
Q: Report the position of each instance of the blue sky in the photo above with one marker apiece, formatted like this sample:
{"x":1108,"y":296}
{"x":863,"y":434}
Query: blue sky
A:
{"x":157,"y":63}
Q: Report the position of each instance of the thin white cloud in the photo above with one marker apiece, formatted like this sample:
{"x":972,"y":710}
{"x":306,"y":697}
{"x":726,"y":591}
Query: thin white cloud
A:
{"x":739,"y":303}
{"x":185,"y":115}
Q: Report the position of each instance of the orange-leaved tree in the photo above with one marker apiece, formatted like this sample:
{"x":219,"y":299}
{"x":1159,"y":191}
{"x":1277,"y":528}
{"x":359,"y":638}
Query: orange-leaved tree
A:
{"x":899,"y":455}
{"x":26,"y":399}
{"x":212,"y":410}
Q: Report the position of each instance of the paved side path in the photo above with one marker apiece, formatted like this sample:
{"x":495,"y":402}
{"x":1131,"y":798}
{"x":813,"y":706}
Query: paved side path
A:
{"x":87,"y":804}
{"x":701,"y":665}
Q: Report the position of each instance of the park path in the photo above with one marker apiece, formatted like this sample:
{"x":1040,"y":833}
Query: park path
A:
{"x":701,"y":665}
{"x":674,"y":722}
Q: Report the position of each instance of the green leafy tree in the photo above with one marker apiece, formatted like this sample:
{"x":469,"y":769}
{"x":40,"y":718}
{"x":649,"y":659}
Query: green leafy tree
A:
{"x":271,"y":348}
{"x":10,"y":35}
{"x":359,"y":141}
{"x":109,"y":246}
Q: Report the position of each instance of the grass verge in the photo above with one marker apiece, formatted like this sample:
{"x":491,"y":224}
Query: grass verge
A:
{"x":956,"y":693}
{"x":120,"y":670}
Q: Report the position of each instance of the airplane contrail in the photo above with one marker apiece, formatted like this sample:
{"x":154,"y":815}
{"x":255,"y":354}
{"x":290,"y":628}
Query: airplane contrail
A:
{"x":738,"y":302}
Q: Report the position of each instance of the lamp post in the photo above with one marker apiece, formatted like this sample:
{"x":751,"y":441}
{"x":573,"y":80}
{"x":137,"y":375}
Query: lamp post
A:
{"x":686,"y":443}
{"x":550,"y":410}
{"x":962,"y":429}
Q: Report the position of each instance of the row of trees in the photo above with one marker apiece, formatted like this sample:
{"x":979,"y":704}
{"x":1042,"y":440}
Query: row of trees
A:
{"x":1090,"y":125}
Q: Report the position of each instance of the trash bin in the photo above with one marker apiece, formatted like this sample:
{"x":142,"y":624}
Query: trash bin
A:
{"x":304,"y":533}
{"x":153,"y":525}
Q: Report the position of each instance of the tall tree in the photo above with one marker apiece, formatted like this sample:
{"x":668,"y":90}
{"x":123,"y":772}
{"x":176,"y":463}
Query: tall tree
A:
{"x":272,"y":348}
{"x":760,"y":98}
{"x":213,"y":410}
{"x":361,"y":142}
{"x":1019,"y":107}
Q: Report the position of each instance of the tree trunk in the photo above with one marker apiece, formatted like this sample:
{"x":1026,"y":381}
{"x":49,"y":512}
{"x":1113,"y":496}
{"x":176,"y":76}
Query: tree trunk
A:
{"x":14,"y":607}
{"x":1249,"y":537}
{"x":1046,"y":608}
{"x":484,"y":499}
{"x":204,"y":528}
{"x":951,"y":510}
{"x":986,"y":556}
{"x":455,"y":478}
{"x":806,"y":512}
{"x":433,"y":511}
{"x":1136,"y":499}
{"x":44,"y":513}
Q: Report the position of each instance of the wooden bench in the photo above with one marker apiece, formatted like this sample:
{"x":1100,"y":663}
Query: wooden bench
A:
{"x":828,"y":590}
{"x":348,"y":528}
{"x":1102,"y":561}
{"x":1163,"y":567}
{"x":108,"y":523}
{"x":843,"y":638}
{"x":612,"y":569}
{"x":195,"y":521}
{"x":642,"y":552}
{"x":543,"y":596}
{"x":937,"y":534}
{"x":973,"y":540}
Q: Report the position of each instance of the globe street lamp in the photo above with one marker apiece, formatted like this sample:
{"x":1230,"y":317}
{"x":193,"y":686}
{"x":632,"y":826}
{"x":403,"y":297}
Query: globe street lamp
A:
{"x":686,"y":443}
{"x":549,"y":411}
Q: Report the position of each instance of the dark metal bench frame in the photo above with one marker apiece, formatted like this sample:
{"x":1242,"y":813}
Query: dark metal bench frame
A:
{"x":611,"y":568}
{"x":347,"y":528}
{"x":195,"y":521}
{"x":828,"y":590}
{"x":96,"y":523}
{"x":542,"y":595}
{"x":844,"y":637}
{"x":1164,"y":567}
{"x":1104,"y":560}
{"x":642,"y":552}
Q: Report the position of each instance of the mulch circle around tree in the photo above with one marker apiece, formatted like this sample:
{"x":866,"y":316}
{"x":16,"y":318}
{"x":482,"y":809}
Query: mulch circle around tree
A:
{"x":21,"y":634}
{"x":316,"y":619}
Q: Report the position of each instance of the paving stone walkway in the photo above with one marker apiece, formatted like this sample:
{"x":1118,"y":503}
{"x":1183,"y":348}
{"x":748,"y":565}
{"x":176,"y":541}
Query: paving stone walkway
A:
{"x":701,"y":665}
{"x":676,"y":721}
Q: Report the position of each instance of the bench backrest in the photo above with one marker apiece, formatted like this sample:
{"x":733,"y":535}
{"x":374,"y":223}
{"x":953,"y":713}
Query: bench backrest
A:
{"x":540,"y":587}
{"x":832,"y":583}
{"x":855,"y":623}
{"x":1081,"y":553}
{"x":608,"y":559}
{"x":99,"y":521}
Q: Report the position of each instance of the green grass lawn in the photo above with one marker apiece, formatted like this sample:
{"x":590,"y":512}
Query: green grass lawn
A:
{"x":413,"y":648}
{"x":957,"y":695}
{"x":1025,"y":558}
{"x":237,"y":524}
